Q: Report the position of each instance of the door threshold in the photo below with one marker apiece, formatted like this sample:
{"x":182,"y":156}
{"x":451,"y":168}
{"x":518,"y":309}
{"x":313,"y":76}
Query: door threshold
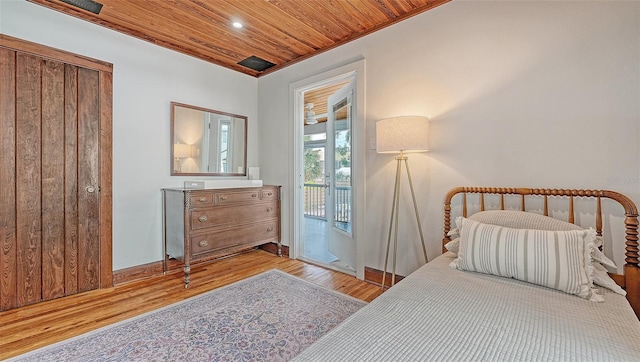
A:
{"x":331,"y":266}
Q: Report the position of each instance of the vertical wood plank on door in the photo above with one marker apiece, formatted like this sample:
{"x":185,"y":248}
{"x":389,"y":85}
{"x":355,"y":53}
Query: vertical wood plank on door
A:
{"x":71,"y":179}
{"x":88,"y":169}
{"x":8,"y":247}
{"x":53,"y":167}
{"x":28,"y":192}
{"x":106,"y":160}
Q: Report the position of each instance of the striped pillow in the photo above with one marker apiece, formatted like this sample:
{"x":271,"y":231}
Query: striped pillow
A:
{"x":555,"y":259}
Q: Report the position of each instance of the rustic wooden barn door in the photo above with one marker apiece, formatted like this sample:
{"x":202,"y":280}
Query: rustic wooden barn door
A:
{"x":55,"y":231}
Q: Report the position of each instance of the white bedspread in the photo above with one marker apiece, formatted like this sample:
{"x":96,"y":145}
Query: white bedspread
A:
{"x":441,"y":314}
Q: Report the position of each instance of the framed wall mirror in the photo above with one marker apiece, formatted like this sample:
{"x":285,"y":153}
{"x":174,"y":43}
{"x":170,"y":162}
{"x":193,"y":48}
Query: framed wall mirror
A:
{"x":206,"y":142}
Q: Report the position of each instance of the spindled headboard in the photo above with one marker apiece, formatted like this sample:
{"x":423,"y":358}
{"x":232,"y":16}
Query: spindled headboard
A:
{"x":630,"y":280}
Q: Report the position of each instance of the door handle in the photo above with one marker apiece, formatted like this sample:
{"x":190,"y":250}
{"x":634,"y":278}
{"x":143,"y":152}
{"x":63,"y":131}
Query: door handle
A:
{"x":90,"y":189}
{"x":327,"y":183}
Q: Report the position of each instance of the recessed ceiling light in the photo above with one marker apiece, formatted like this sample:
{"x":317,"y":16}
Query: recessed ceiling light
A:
{"x":237,"y":25}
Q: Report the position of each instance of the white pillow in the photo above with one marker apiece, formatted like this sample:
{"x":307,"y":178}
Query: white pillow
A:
{"x":453,"y":246}
{"x":599,"y":257}
{"x":556,"y":259}
{"x":602,"y":278}
{"x":517,"y":219}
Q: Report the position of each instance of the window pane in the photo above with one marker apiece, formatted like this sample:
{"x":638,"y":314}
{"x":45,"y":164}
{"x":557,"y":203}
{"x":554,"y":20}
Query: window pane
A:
{"x":342,"y":194}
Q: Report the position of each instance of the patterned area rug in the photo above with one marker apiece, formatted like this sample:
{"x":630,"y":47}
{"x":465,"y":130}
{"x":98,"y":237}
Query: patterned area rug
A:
{"x":272,"y":316}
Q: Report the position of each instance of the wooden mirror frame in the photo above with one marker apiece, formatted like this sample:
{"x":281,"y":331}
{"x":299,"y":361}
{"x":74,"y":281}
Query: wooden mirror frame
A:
{"x":172,"y":163}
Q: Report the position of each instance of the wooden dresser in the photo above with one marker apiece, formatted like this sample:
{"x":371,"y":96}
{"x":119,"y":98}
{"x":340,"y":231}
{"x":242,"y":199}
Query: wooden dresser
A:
{"x":207,"y":223}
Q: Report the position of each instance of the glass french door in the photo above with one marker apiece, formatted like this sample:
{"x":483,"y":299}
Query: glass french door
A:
{"x":339,"y":200}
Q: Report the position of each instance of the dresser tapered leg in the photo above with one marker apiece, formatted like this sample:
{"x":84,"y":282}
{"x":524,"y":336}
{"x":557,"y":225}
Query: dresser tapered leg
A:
{"x":187,"y":275}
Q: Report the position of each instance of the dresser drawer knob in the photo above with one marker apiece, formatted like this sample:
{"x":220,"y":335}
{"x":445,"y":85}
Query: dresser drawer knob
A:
{"x":254,"y":195}
{"x":203,"y":243}
{"x":269,"y":229}
{"x":269,"y":193}
{"x":202,"y":199}
{"x":203,"y":218}
{"x":223,"y":197}
{"x":269,"y":209}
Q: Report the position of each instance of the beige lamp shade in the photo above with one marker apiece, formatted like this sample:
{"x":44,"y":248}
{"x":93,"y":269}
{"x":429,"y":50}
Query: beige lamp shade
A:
{"x":402,"y":134}
{"x":181,"y":150}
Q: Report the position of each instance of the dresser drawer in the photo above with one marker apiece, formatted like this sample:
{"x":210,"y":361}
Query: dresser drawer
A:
{"x":201,"y":199}
{"x":231,"y":197}
{"x":269,"y":195}
{"x":233,"y":215}
{"x":225,"y":238}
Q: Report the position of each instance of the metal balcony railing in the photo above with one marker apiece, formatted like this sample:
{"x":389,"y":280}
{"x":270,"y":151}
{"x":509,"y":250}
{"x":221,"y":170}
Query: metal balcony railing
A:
{"x":314,"y":202}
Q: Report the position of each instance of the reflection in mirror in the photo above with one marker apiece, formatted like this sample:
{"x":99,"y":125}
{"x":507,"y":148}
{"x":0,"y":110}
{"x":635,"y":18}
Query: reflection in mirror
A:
{"x":206,"y":142}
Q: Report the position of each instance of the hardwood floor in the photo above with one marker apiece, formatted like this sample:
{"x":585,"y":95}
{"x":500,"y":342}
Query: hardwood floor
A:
{"x":31,"y":327}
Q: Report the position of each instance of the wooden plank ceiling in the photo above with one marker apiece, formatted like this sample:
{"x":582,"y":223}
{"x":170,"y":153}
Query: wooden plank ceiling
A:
{"x":279,"y":31}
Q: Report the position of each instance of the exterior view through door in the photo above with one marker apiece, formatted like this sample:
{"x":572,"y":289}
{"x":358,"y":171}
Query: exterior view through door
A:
{"x":328,"y":233}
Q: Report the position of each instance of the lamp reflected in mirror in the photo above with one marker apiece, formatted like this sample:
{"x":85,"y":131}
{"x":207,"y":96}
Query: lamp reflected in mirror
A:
{"x":180,"y":151}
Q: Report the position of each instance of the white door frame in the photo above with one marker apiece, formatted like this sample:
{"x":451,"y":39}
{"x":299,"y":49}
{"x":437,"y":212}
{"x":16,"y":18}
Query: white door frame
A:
{"x":355,"y":70}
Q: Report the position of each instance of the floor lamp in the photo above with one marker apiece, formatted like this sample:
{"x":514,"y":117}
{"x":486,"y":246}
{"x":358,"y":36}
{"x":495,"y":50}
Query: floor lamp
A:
{"x":401,"y":135}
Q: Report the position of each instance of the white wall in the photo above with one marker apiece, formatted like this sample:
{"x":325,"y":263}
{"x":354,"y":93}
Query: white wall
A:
{"x":145,"y":79}
{"x":520,"y":94}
